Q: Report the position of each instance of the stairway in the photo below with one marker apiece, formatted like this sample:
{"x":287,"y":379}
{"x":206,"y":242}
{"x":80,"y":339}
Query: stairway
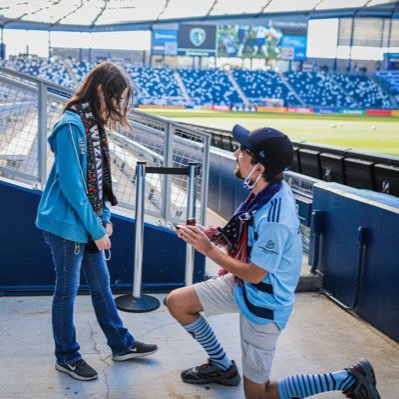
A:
{"x":385,"y":88}
{"x":291,"y":89}
{"x":357,"y":105}
{"x":238,"y":88}
{"x":68,"y":66}
{"x":181,"y":86}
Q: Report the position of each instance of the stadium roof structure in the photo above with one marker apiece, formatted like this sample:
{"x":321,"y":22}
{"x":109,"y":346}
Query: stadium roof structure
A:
{"x":103,"y":15}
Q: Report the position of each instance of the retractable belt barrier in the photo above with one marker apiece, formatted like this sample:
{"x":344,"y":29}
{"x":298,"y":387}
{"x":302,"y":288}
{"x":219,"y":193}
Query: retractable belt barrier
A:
{"x":145,"y":303}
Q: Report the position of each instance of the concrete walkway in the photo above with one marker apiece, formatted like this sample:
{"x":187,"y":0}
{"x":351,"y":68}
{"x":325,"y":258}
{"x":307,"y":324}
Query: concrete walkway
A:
{"x":320,"y":337}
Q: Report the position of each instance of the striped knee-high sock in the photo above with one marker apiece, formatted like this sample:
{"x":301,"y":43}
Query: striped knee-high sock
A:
{"x":303,"y":386}
{"x":203,"y":333}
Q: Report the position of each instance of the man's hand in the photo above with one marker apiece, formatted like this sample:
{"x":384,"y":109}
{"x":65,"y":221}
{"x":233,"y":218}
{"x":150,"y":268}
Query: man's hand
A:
{"x":109,"y":228}
{"x":103,"y":243}
{"x":194,"y":236}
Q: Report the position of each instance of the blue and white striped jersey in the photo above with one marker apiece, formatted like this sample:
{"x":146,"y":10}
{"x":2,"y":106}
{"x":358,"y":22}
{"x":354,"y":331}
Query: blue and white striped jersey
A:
{"x":275,"y":245}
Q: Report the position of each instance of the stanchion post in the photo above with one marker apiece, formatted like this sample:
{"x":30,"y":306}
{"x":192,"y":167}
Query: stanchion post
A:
{"x":191,"y":191}
{"x":136,"y":302}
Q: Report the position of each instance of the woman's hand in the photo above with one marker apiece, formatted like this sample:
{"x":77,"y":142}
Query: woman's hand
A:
{"x":103,"y":243}
{"x":109,"y":228}
{"x":194,"y":236}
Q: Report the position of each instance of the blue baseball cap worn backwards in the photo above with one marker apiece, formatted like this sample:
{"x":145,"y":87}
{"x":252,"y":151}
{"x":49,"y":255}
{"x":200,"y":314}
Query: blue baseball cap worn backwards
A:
{"x":272,"y":148}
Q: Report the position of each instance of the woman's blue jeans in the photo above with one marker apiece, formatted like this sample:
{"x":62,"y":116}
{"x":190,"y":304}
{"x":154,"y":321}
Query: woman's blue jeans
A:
{"x":69,"y":257}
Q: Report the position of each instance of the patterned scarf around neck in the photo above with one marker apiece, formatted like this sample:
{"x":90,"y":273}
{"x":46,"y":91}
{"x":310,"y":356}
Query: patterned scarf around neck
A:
{"x":99,"y":182}
{"x":234,"y":236}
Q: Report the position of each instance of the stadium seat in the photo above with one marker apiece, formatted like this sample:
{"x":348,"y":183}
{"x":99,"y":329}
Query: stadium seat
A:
{"x":295,"y":165}
{"x":217,"y":140}
{"x":54,"y":71}
{"x":156,"y":86}
{"x":81,"y":69}
{"x":365,"y":91}
{"x":390,"y":80}
{"x":318,"y":89}
{"x":387,"y":178}
{"x":209,"y":87}
{"x":310,"y":162}
{"x":261,"y":85}
{"x":359,"y":173}
{"x":332,"y":167}
{"x":227,"y":143}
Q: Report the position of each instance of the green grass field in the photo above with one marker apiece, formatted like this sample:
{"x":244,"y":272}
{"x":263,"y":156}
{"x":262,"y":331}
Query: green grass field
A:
{"x":361,"y":132}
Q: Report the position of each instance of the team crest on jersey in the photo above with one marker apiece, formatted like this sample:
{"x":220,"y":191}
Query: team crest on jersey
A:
{"x":197,"y":36}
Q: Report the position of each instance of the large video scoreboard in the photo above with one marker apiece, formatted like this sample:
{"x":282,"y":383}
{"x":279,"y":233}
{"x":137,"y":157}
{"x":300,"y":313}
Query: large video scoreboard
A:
{"x":277,"y":39}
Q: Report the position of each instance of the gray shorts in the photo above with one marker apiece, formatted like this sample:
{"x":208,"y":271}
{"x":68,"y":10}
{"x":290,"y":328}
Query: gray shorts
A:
{"x":258,"y":341}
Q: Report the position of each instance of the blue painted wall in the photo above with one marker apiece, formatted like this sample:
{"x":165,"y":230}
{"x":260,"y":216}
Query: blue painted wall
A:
{"x":342,"y":215}
{"x":26,"y":265}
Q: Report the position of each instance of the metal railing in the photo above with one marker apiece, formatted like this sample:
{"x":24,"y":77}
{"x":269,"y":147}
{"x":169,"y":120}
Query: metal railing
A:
{"x":302,"y":187}
{"x":300,"y":184}
{"x":29,"y":108}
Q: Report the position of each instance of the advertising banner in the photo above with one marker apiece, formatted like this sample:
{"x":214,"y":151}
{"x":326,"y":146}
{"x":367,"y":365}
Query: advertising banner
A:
{"x":300,"y":110}
{"x":353,"y":111}
{"x":293,"y":48}
{"x":272,"y":109}
{"x":386,"y":112}
{"x":272,"y":41}
{"x":324,"y":110}
{"x":164,"y":42}
{"x":197,"y":40}
{"x":220,"y":107}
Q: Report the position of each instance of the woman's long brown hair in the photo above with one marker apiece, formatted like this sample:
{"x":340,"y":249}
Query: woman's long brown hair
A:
{"x":113,"y":81}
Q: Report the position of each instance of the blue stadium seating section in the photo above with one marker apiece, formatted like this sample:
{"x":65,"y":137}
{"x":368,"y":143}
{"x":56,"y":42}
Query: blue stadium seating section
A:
{"x":259,"y":85}
{"x":155,"y":85}
{"x":209,"y":87}
{"x":318,"y":89}
{"x":364,"y":90}
{"x":81,"y":69}
{"x":163,"y":86}
{"x":52,"y":71}
{"x":391,"y":81}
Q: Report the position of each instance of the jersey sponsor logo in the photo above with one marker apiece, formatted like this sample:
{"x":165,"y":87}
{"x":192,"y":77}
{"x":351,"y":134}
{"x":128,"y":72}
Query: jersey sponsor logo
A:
{"x":269,"y":248}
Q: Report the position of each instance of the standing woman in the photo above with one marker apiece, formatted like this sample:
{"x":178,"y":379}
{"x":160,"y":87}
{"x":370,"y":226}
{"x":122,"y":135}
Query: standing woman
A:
{"x":76,"y":219}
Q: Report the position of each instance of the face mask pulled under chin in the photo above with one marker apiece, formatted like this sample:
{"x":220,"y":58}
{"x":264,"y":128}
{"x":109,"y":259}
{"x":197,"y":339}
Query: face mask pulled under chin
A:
{"x":247,"y":181}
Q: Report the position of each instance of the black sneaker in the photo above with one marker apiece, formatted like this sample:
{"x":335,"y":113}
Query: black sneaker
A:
{"x":365,"y":385}
{"x":208,"y":372}
{"x":79,"y":370}
{"x":139,"y":349}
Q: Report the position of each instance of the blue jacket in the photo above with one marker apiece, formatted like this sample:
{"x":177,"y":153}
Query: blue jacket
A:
{"x":64,"y":208}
